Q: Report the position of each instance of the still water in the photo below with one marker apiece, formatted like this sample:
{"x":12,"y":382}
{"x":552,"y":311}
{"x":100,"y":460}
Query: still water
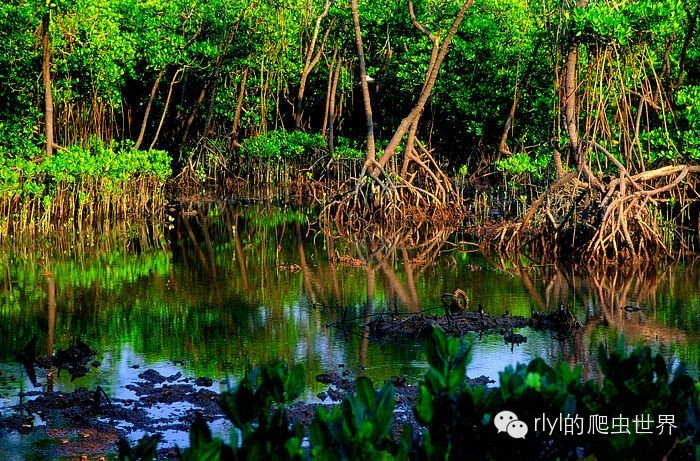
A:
{"x":230,"y":286}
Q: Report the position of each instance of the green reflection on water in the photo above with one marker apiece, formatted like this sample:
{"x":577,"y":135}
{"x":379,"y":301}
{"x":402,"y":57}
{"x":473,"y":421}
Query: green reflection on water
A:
{"x":239,"y":286}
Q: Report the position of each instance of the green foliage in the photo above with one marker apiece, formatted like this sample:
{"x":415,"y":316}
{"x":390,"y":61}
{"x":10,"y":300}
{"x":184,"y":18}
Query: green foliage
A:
{"x":638,"y":383}
{"x":111,"y":164}
{"x":622,"y":23}
{"x":359,"y":428}
{"x":438,"y":406}
{"x":108,"y":55}
{"x":203,"y":446}
{"x":688,"y":116}
{"x":257,"y":407}
{"x":281,"y":144}
{"x":523,"y":165}
{"x":144,"y":450}
{"x":100,"y":182}
{"x":287,"y":145}
{"x":459,"y":418}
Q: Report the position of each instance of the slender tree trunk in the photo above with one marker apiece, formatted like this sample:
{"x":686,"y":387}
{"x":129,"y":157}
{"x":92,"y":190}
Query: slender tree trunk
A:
{"x":312,"y":58}
{"x":371,"y":150}
{"x":165,"y":109}
{"x":431,"y":77}
{"x":570,"y":87}
{"x":239,"y":105}
{"x":212,"y":79}
{"x":692,"y":27}
{"x":48,"y":94}
{"x":144,"y":122}
{"x":503,"y":146}
{"x":331,"y":107}
{"x":329,"y":85}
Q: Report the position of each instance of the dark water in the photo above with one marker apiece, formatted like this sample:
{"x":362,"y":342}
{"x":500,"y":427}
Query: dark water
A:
{"x":234,"y":286}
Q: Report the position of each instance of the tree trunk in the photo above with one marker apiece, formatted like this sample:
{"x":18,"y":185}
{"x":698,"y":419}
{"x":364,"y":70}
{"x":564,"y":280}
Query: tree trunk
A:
{"x":144,"y":122}
{"x":212,"y":79}
{"x":312,"y":58}
{"x":329,"y":85}
{"x":48,"y":94}
{"x":431,"y":77}
{"x":165,"y":109}
{"x":692,"y":26}
{"x":517,"y":93}
{"x":570,"y":87}
{"x":331,"y":106}
{"x":239,"y":105}
{"x":371,"y":151}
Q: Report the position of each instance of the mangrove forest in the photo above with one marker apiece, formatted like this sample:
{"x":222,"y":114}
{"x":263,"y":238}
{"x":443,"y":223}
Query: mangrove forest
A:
{"x":349,"y":229}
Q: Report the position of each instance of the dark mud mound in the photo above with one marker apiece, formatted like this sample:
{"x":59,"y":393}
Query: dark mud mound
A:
{"x":89,"y":422}
{"x":420,"y":325}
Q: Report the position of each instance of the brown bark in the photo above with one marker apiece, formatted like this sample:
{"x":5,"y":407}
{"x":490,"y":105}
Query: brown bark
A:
{"x":570,"y":87}
{"x":144,"y":122}
{"x":313,"y":55}
{"x":165,"y":109}
{"x":331,"y":106}
{"x":329,"y":84}
{"x":239,"y":105}
{"x":431,"y":77}
{"x":502,"y":145}
{"x":371,"y":150}
{"x":217,"y":71}
{"x":518,"y":91}
{"x":690,"y":34}
{"x":48,"y":94}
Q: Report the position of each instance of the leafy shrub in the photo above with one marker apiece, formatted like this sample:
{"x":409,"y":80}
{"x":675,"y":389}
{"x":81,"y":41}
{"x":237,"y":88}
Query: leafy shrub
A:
{"x":100,"y":181}
{"x":359,"y":428}
{"x":459,"y":417}
{"x":281,"y":144}
{"x":522,"y":164}
{"x":257,"y":407}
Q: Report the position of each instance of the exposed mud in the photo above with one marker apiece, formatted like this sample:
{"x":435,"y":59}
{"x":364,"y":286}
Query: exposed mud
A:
{"x":89,"y":423}
{"x":420,"y":325}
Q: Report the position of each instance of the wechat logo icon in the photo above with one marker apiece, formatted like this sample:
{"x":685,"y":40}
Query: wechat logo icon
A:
{"x":508,"y":422}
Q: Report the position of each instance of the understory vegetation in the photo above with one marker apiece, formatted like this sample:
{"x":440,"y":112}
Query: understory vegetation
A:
{"x":81,"y":188}
{"x":636,"y":395}
{"x":580,"y":120}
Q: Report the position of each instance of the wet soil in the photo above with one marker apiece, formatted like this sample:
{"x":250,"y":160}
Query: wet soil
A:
{"x":88,"y":423}
{"x":419,"y":325}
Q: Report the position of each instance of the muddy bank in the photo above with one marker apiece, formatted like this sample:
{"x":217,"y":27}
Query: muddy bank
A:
{"x":419,"y":325}
{"x":87,"y":422}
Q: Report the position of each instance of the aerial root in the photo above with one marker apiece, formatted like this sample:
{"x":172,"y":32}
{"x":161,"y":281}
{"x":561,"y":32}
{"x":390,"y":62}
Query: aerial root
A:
{"x":620,"y":222}
{"x":380,"y":197}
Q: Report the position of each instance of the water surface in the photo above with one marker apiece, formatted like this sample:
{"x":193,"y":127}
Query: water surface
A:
{"x":230,"y":286}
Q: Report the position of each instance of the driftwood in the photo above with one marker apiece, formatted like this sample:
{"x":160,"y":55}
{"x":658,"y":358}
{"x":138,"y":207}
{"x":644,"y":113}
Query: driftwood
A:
{"x":455,"y":302}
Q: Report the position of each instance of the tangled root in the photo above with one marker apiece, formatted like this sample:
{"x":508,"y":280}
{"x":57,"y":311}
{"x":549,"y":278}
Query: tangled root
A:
{"x":455,"y":303}
{"x":385,"y":199}
{"x":620,"y":221}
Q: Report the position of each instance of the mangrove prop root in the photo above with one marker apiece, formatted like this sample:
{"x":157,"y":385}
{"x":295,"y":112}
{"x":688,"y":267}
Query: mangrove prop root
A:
{"x":380,"y":197}
{"x":621,"y":222}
